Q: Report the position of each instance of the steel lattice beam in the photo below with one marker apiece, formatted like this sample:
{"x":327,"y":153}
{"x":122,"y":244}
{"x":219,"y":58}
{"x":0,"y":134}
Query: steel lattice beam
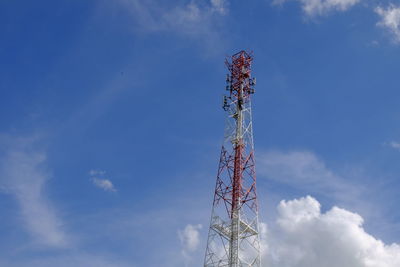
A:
{"x":233,"y":238}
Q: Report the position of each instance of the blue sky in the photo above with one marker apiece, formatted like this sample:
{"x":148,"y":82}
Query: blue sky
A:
{"x":111,"y":125}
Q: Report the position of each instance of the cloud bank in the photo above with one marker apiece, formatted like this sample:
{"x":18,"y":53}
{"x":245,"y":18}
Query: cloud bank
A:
{"x":306,"y":237}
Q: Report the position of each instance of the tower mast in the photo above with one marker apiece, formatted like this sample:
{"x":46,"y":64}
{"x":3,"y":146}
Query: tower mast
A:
{"x":233,"y":237}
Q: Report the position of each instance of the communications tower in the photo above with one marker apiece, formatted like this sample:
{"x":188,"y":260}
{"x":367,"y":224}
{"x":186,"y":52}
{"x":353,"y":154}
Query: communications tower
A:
{"x":233,"y":237}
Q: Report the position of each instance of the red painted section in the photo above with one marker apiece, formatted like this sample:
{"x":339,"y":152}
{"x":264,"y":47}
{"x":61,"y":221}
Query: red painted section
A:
{"x":236,"y":179}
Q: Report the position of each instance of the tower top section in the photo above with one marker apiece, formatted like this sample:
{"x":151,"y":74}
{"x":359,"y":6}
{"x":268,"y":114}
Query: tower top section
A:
{"x":240,"y":84}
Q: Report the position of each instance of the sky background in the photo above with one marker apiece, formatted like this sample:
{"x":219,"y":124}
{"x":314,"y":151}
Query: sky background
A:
{"x":111,"y":125}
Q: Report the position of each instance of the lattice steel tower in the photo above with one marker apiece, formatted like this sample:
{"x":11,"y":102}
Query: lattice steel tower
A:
{"x":233,"y":237}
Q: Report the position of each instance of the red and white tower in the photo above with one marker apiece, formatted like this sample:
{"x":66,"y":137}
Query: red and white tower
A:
{"x":233,"y":237}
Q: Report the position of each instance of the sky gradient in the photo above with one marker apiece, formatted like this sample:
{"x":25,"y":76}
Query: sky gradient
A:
{"x":111,"y":125}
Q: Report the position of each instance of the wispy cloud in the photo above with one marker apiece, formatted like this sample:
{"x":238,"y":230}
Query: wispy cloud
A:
{"x":23,"y":174}
{"x":306,"y":237}
{"x":395,"y":145}
{"x":193,"y":19}
{"x":389,"y":17}
{"x":189,"y":236}
{"x":97,"y":177}
{"x":219,"y":6}
{"x":313,"y":8}
{"x":96,"y":172}
{"x":104,"y":184}
{"x":190,"y":18}
{"x":390,"y":20}
{"x":304,"y":170}
{"x":190,"y":239}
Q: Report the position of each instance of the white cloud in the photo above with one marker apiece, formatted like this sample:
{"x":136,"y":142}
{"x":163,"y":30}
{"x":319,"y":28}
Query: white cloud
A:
{"x":102,"y":183}
{"x":190,"y":239}
{"x":305,"y":237}
{"x":315,"y":8}
{"x":390,"y":20}
{"x":23,"y":174}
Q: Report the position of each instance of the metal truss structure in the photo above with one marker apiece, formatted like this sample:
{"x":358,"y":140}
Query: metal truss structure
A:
{"x":233,"y":237}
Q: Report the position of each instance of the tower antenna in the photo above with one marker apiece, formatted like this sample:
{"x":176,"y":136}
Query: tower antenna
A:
{"x":233,"y":237}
